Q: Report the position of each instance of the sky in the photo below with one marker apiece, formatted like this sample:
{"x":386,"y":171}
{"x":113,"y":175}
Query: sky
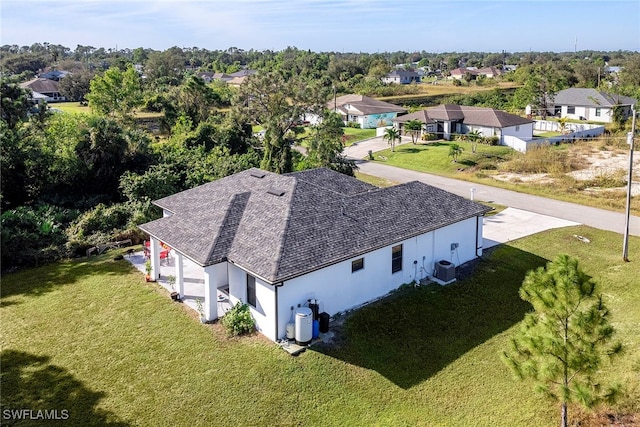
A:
{"x":327,"y":25}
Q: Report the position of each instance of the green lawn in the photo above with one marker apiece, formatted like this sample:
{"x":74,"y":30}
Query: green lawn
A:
{"x":434,"y":157}
{"x":92,"y":337}
{"x":375,"y":180}
{"x":75,"y":107}
{"x":354,"y":135}
{"x":480,"y":166}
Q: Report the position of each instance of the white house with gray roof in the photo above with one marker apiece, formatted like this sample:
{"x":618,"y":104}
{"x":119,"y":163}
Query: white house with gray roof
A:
{"x":589,"y":104}
{"x":276,"y":241}
{"x":447,"y":120}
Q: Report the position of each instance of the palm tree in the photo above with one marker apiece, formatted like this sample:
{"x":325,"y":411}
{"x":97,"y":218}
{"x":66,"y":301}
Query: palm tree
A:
{"x":454,"y":151}
{"x":562,"y":124}
{"x":474,"y":136}
{"x":391,"y":135}
{"x":413,"y":127}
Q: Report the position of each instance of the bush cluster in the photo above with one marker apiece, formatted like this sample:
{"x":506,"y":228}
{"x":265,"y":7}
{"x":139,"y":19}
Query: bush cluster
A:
{"x":238,"y":320}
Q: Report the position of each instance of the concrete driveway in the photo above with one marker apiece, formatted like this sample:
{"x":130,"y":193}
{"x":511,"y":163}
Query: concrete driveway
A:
{"x":511,"y":224}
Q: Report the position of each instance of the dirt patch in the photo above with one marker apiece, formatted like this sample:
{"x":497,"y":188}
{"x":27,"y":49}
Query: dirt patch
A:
{"x":598,"y":164}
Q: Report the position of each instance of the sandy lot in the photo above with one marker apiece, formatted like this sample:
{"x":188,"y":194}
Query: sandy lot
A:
{"x":598,"y":164}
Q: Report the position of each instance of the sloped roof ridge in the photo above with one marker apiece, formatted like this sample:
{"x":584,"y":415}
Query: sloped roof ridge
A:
{"x":229,"y":219}
{"x":287,"y":223}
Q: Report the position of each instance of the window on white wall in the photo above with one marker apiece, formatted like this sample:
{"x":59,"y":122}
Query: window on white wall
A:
{"x":598,"y":112}
{"x":251,"y":290}
{"x":571,"y":109}
{"x":396,"y":259}
{"x":357,"y":264}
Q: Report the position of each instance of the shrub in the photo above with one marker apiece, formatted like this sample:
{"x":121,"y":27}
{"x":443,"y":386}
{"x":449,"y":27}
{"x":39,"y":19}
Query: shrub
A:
{"x":115,"y":222}
{"x":490,"y":140}
{"x":33,"y":236}
{"x":354,"y":125}
{"x":238,"y":320}
{"x":542,"y":159}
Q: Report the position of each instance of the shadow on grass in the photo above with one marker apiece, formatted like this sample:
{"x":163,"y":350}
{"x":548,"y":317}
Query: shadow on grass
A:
{"x":416,"y":332}
{"x":40,"y":280}
{"x":30,"y":382}
{"x":409,"y":150}
{"x":467,"y":162}
{"x":435,"y":144}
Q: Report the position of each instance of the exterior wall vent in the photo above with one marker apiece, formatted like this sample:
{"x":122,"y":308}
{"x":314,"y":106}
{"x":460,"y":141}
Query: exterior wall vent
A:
{"x":275,"y":192}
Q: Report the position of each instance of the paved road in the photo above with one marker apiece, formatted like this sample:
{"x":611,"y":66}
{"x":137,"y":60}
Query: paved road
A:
{"x":594,"y":217}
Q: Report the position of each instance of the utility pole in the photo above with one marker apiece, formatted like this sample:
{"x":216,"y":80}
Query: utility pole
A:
{"x":625,"y":244}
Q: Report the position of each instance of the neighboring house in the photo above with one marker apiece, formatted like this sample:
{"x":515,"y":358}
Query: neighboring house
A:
{"x":55,"y":75}
{"x":243,"y":73}
{"x":369,"y":113}
{"x":49,"y":89}
{"x":488,"y":72}
{"x":402,"y":77}
{"x":234,"y":79}
{"x":589,"y":104}
{"x":447,"y":120}
{"x":275,"y":241}
{"x":208,"y":77}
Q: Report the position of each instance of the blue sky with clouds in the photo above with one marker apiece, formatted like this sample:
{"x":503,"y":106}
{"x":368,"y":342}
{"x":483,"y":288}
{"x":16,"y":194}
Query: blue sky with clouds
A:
{"x":327,"y":25}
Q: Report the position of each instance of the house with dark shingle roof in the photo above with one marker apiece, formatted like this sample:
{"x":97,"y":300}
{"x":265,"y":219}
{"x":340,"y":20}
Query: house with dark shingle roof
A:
{"x":447,"y":120}
{"x":276,"y":241}
{"x":46,"y":89}
{"x":589,"y":104}
{"x":368,"y":112}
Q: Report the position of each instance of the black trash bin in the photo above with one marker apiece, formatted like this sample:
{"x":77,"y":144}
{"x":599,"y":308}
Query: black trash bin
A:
{"x":324,"y":322}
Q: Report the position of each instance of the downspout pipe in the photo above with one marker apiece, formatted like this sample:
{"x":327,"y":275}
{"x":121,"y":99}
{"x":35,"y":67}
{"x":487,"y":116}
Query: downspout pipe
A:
{"x":277,"y":311}
{"x":477,"y":236}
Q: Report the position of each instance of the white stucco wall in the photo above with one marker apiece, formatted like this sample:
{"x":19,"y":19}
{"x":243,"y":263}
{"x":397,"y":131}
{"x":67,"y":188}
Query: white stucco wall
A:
{"x":264,"y":311}
{"x":524,"y":131}
{"x":337,"y":289}
{"x":486,"y":131}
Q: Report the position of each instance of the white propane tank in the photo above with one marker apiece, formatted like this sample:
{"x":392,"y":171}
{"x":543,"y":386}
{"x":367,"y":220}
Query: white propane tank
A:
{"x":290,"y":331}
{"x":304,"y":326}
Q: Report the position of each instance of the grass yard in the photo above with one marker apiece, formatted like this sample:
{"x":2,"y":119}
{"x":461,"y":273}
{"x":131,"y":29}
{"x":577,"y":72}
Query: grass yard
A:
{"x":90,"y":336}
{"x":486,"y":163}
{"x":354,"y":135}
{"x":75,"y":107}
{"x":375,"y":180}
{"x":446,"y":87}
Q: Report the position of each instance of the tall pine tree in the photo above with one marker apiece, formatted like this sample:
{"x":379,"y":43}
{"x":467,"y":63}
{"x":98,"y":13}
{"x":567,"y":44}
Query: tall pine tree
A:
{"x":562,"y":343}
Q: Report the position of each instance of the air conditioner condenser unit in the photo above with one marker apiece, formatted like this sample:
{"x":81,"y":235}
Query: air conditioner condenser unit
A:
{"x":445,"y":271}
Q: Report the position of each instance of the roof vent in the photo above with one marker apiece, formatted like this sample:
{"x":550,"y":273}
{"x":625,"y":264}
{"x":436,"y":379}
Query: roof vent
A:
{"x":257,"y":174}
{"x":275,"y":192}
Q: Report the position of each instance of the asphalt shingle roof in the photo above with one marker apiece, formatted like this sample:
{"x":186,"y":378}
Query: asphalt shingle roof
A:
{"x":321,"y":218}
{"x":364,"y":105}
{"x":469,"y":115}
{"x":42,"y":85}
{"x":590,"y":98}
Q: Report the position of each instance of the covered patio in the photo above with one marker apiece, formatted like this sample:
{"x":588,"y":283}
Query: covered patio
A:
{"x":193,"y":286}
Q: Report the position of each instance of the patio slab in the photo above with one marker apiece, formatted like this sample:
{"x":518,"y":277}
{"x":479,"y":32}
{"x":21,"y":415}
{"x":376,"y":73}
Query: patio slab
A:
{"x":193,"y":280}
